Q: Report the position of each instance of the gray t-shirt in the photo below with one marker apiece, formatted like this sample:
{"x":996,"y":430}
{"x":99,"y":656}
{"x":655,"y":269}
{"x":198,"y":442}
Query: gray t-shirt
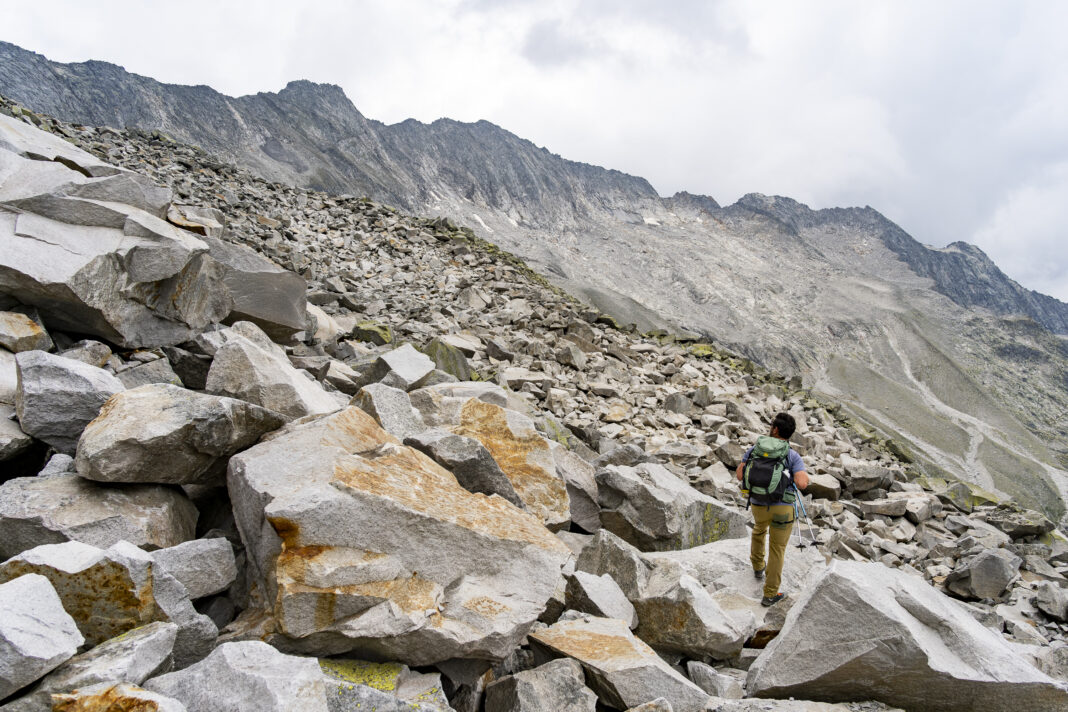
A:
{"x":794,"y":463}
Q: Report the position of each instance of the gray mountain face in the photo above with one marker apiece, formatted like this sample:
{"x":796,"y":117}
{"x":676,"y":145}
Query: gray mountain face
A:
{"x":935,"y":347}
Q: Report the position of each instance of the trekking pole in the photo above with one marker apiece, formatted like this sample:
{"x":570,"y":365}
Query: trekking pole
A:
{"x":800,"y":501}
{"x":797,"y":530}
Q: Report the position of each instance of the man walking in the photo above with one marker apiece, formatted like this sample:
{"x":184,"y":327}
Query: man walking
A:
{"x":769,"y":471}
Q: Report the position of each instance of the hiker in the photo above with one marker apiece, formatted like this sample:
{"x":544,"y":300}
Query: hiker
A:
{"x":773,"y":472}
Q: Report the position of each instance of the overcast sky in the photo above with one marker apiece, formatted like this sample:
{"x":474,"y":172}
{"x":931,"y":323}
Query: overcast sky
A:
{"x":951,"y":118}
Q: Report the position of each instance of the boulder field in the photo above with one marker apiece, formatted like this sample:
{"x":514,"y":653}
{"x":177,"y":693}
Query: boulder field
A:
{"x":269,"y":449}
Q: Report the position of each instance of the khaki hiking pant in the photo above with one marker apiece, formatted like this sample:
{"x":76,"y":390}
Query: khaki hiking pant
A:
{"x":779,"y":519}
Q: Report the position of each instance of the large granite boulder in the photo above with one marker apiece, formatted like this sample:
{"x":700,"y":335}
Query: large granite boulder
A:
{"x":36,"y":634}
{"x":57,"y":397}
{"x":263,"y":293}
{"x":620,"y":668}
{"x":64,"y":507}
{"x":556,"y":686}
{"x":985,"y":575}
{"x":676,"y":614}
{"x":247,"y":675}
{"x":656,"y":511}
{"x":203,"y":566}
{"x":356,"y":541}
{"x":250,"y":367}
{"x":131,"y":658}
{"x":111,"y":591}
{"x":607,"y":554}
{"x":867,"y":632}
{"x":88,"y":248}
{"x":166,"y":434}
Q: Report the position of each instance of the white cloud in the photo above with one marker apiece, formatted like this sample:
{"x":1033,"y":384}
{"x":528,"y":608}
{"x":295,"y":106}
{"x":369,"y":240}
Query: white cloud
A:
{"x":1027,"y":225}
{"x":944,"y":116}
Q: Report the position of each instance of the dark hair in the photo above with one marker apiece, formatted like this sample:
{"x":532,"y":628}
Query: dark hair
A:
{"x":784,"y":425}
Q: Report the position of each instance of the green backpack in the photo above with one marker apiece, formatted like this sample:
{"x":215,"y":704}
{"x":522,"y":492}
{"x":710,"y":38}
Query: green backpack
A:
{"x":765,"y":474}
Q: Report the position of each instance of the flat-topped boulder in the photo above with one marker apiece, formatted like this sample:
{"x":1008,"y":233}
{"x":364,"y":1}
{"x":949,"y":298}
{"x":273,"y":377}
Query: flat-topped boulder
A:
{"x":65,"y":507}
{"x":623,"y":670}
{"x":166,"y":434}
{"x":338,"y":516}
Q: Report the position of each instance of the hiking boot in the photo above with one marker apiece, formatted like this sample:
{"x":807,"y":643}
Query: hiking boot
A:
{"x":772,"y":600}
{"x":758,"y":573}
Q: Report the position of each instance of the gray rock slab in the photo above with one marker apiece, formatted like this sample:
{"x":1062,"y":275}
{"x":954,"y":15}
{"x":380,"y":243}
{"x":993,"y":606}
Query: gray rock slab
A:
{"x":579,"y":476}
{"x":203,"y":566}
{"x":660,"y":704}
{"x":57,"y":397}
{"x":157,"y":371}
{"x":111,"y":696}
{"x":1052,"y":600}
{"x":985,"y":575}
{"x":132,"y":657}
{"x":88,"y":351}
{"x":66,"y":507}
{"x":656,"y":511}
{"x":607,"y":554}
{"x":169,"y":435}
{"x":19,"y":332}
{"x":713,"y":682}
{"x":391,"y":408}
{"x":867,"y":632}
{"x":337,"y":515}
{"x":401,"y":368}
{"x":251,"y":368}
{"x":467,"y":459}
{"x":600,"y":596}
{"x":676,"y":614}
{"x":111,"y":591}
{"x":247,"y":675}
{"x":556,"y":686}
{"x":36,"y":633}
{"x":863,"y":475}
{"x":383,"y":687}
{"x":263,"y":293}
{"x":623,"y":670}
{"x":512,"y":439}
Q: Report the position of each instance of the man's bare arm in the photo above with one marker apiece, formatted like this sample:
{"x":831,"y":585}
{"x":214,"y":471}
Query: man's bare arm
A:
{"x":801,"y":479}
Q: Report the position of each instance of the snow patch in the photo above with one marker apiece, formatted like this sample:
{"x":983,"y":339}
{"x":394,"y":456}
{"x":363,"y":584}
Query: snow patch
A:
{"x":482,"y":223}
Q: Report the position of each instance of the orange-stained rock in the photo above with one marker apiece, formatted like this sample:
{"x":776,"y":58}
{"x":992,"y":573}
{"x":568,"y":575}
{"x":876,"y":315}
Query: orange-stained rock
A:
{"x":524,"y":456}
{"x":622,"y":670}
{"x":110,"y":591}
{"x":356,"y":540}
{"x":109,"y":697}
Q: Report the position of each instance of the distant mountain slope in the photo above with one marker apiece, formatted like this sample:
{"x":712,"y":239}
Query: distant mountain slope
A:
{"x":935,"y":346}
